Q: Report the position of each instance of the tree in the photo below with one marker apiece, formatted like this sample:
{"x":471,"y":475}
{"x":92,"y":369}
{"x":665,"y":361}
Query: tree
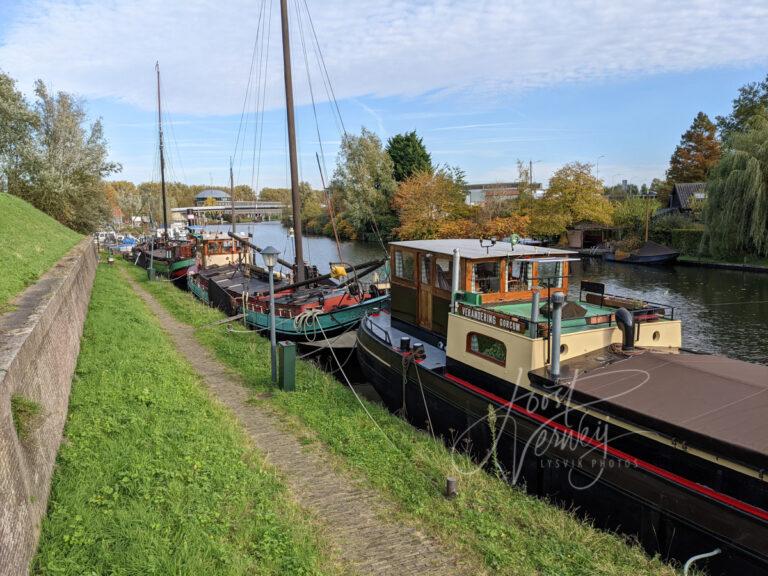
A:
{"x":632,"y":212}
{"x":574,"y":195}
{"x":752,"y":99}
{"x":736,"y":214}
{"x":364,"y":178}
{"x":425,"y":201}
{"x":697,"y":153}
{"x":409,"y":155}
{"x":16,"y":124}
{"x":282,"y":195}
{"x":662,"y":189}
{"x":61,"y":169}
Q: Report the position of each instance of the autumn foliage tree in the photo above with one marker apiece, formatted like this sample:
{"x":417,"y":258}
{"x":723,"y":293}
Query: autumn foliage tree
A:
{"x":697,"y":153}
{"x":574,"y":195}
{"x":425,"y":201}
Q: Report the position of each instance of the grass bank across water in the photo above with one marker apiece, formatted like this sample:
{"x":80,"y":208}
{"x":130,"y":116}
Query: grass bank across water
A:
{"x":153,"y":477}
{"x":30,"y":243}
{"x":500,"y":527}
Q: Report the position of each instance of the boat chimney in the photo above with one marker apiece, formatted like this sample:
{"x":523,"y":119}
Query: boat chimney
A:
{"x":456,"y":274}
{"x":533,"y":327}
{"x":626,"y":323}
{"x":558,"y":299}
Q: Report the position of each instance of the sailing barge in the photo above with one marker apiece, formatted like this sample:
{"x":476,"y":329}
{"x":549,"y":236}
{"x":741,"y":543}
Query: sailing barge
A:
{"x":226,"y":277}
{"x":596,"y":404}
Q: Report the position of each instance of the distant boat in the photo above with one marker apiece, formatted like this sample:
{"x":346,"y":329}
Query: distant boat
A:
{"x":649,"y":253}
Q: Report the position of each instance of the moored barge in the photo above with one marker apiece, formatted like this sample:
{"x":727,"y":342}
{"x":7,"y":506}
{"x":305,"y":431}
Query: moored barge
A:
{"x":595,"y":403}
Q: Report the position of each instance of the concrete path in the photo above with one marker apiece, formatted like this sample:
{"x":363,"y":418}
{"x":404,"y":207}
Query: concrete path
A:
{"x":356,"y":519}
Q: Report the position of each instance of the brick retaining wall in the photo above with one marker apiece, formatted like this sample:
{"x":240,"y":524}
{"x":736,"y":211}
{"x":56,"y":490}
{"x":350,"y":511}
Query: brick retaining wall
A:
{"x":39,"y":345}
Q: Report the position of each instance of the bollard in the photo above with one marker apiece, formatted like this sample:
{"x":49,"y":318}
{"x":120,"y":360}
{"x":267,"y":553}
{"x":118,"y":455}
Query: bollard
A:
{"x":450,"y":488}
{"x":287,"y":360}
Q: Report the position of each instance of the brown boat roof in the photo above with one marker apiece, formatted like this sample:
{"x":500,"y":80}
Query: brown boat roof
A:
{"x":712,"y":402}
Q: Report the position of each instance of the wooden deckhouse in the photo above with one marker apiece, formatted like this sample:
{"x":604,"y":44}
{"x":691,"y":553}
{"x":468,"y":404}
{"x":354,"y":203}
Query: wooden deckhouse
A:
{"x":489,"y":273}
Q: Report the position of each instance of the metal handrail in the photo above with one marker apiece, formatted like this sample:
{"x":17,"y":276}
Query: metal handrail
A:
{"x":373,"y":327}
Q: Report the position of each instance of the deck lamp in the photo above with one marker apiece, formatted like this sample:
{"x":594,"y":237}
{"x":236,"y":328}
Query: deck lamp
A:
{"x":270,"y":254}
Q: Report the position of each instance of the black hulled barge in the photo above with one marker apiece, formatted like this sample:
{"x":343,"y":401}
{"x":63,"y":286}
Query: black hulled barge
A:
{"x":596,"y":404}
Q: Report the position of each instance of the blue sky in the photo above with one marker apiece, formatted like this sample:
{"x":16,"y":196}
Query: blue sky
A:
{"x":484,"y":83}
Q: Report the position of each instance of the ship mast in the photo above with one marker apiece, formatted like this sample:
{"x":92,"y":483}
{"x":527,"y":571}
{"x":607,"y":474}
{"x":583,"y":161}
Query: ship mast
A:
{"x":162,"y":155}
{"x":295,"y":196}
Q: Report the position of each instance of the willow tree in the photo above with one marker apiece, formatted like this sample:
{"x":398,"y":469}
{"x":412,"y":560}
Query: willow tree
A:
{"x":736,"y":215}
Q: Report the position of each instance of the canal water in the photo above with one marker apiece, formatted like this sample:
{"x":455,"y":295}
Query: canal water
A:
{"x":723,"y":311}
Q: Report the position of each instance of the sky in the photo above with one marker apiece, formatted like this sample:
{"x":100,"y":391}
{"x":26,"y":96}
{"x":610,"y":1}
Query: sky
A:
{"x":484,"y":83}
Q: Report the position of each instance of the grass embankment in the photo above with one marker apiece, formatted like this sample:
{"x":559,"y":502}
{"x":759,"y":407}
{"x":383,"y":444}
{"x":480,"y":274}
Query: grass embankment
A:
{"x":30,"y":243}
{"x":501,"y":527}
{"x":746,"y":260}
{"x":153,"y":477}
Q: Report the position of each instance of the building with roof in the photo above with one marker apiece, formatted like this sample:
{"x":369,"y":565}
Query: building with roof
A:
{"x":206,"y":197}
{"x":684,"y":195}
{"x":479,"y":193}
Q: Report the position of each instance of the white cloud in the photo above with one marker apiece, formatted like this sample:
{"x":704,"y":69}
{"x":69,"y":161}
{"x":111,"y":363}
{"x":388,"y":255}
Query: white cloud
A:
{"x":481,"y":49}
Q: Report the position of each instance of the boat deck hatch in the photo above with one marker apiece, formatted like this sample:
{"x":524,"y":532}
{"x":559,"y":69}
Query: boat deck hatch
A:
{"x":715,"y":403}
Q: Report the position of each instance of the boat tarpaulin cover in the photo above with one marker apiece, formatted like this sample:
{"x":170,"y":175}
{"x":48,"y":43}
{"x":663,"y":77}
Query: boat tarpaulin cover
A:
{"x":651,"y":248}
{"x":711,"y":402}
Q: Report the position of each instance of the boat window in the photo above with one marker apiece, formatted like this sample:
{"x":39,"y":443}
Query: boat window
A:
{"x":404,"y":265}
{"x":551,"y":274}
{"x":487,"y":347}
{"x":485,"y":277}
{"x":518,"y":275}
{"x":227,"y":246}
{"x":443,"y":272}
{"x":425,"y":262}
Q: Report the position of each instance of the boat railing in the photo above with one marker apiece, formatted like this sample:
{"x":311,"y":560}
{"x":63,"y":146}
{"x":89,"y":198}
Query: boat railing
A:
{"x":376,"y":329}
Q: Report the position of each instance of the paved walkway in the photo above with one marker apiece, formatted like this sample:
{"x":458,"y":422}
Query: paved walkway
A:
{"x":355,"y":518}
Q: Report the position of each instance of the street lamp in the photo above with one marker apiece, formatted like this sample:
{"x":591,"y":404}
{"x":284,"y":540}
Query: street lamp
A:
{"x":597,"y":166}
{"x":270,"y":254}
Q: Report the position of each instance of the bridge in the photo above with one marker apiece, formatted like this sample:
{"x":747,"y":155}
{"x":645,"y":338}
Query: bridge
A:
{"x":242,"y":208}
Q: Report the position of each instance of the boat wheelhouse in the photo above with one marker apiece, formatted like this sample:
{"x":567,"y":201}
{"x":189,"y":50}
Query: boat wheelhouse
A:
{"x":505,"y":288}
{"x":595,"y":404}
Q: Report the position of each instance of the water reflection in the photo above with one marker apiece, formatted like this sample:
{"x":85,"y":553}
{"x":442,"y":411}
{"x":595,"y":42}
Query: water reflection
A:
{"x":723,"y":311}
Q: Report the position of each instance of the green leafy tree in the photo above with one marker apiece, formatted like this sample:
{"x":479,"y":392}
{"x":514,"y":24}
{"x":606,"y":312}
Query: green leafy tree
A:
{"x":62,"y":168}
{"x":574,"y":195}
{"x":632,"y":212}
{"x":697,"y":153}
{"x":364,"y":180}
{"x":17,"y":122}
{"x":409,"y":155}
{"x":282,"y":195}
{"x":752,"y":100}
{"x":662,"y":189}
{"x":736,"y":213}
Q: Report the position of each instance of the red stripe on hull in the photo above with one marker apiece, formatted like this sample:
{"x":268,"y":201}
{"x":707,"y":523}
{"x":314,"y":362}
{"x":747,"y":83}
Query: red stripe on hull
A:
{"x":723,"y":498}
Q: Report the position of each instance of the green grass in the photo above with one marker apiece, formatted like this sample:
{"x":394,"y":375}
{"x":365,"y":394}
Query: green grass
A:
{"x":25,"y":414}
{"x":499,"y":527}
{"x":153,"y":477}
{"x":750,"y":260}
{"x":30,"y":243}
